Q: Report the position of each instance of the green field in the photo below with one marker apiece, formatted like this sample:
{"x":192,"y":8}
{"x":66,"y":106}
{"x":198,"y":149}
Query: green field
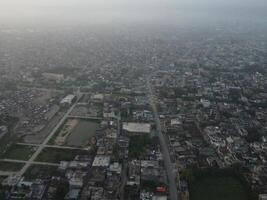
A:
{"x":18,"y":152}
{"x":218,"y":188}
{"x":55,"y":155}
{"x":40,"y":171}
{"x":8,"y":166}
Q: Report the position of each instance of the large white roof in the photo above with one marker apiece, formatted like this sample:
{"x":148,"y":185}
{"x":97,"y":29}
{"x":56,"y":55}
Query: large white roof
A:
{"x":136,"y":127}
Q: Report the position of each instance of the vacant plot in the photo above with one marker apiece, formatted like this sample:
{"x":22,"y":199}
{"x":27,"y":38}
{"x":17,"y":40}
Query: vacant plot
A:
{"x":65,"y":131}
{"x":218,"y":188}
{"x":18,"y":152}
{"x":11,"y":167}
{"x":55,"y":155}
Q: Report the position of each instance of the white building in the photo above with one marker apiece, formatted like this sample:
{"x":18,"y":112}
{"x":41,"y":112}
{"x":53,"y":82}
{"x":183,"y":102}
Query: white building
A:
{"x":68,"y":100}
{"x":156,"y":197}
{"x":115,"y":168}
{"x":205,"y":103}
{"x":101,"y":161}
{"x":263,"y":197}
{"x":132,"y":127}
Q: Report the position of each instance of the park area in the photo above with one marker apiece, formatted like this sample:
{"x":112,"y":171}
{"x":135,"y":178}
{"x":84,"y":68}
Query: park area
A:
{"x":10,"y":166}
{"x":218,"y":188}
{"x":55,"y":155}
{"x":219,"y":184}
{"x":40,"y":172}
{"x":18,"y":152}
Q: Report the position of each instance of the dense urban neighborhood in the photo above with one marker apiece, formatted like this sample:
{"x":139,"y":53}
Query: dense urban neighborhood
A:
{"x":133,"y":117}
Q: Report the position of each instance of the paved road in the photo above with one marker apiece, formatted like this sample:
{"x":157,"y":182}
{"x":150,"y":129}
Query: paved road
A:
{"x":30,"y":162}
{"x":119,"y":123}
{"x":84,"y":117}
{"x":51,"y":146}
{"x":123,"y":180}
{"x":28,"y":144}
{"x":164,"y":148}
{"x":48,"y":138}
{"x":6,"y":173}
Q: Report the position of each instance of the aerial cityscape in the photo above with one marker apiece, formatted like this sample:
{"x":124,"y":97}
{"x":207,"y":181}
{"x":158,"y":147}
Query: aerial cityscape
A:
{"x":133,"y":111}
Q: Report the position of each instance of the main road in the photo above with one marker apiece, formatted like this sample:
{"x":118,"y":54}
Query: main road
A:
{"x":164,"y":147}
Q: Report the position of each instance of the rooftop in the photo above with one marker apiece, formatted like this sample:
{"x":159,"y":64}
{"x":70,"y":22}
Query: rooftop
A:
{"x":101,"y":161}
{"x":137,"y":127}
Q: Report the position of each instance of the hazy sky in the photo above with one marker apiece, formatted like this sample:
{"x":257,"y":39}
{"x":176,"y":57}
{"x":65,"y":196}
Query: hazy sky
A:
{"x":111,"y":11}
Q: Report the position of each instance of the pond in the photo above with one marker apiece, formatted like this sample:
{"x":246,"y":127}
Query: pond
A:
{"x":82,"y":133}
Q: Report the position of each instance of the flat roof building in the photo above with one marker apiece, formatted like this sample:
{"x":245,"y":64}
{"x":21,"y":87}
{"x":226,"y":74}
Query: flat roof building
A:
{"x":68,"y":99}
{"x":263,"y":197}
{"x":101,"y":161}
{"x":132,"y":127}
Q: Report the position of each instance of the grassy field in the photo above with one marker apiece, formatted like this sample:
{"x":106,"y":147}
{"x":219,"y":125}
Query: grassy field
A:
{"x":218,"y":188}
{"x":40,"y":171}
{"x":19,"y":152}
{"x":8,"y":166}
{"x":54,"y":155}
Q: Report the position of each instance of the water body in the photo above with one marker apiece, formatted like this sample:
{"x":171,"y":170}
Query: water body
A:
{"x":82,"y":133}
